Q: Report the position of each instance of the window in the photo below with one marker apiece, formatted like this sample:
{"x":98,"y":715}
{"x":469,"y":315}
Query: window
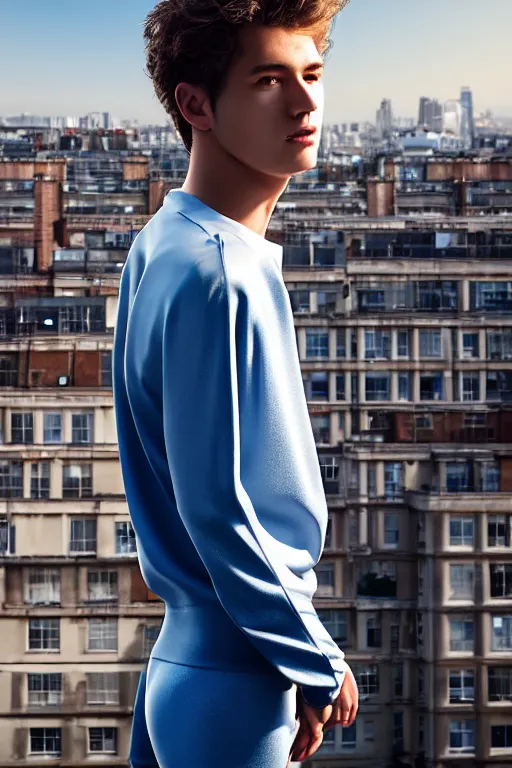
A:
{"x":40,"y":480}
{"x":11,"y":479}
{"x":373,"y":633}
{"x":83,"y":536}
{"x":372,"y":479}
{"x":126,"y":543}
{"x":7,"y":538}
{"x":491,"y":296}
{"x":397,"y":673}
{"x":22,"y":427}
{"x":490,"y":476}
{"x":319,"y":383}
{"x":501,"y":736}
{"x":43,"y":586}
{"x":461,"y":634}
{"x":470,"y":345}
{"x":103,"y":740}
{"x":151,"y":632}
{"x":378,"y":581}
{"x":430,"y":343}
{"x":377,"y":386}
{"x":462,"y":531}
{"x":462,"y":736}
{"x":328,"y":532}
{"x":102,"y":634}
{"x":340,"y":386}
{"x":336,"y":623}
{"x":341,"y":349}
{"x":393,"y":480}
{"x":367,"y":679}
{"x":499,"y":344}
{"x":368,"y":730}
{"x":390,"y":528}
{"x":462,"y":581}
{"x":377,"y":345}
{"x":349,"y":736}
{"x":45,"y":741}
{"x":398,"y":731}
{"x":326,"y":302}
{"x":431,"y":386}
{"x":44,"y":634}
{"x":317,"y":343}
{"x":471,"y":386}
{"x":499,"y":386}
{"x":501,"y":579}
{"x":52,"y":427}
{"x":459,"y":476}
{"x":329,"y":470}
{"x":82,"y":427}
{"x":325,"y":575}
{"x":423,"y":421}
{"x":499,"y":683}
{"x":498,"y":531}
{"x":321,"y":429}
{"x":106,"y":368}
{"x":44,"y":689}
{"x":462,"y":685}
{"x":102,"y":585}
{"x":403,"y":343}
{"x":404,"y":386}
{"x":102,"y":687}
{"x":502,"y":633}
{"x":299,"y":301}
{"x":77,"y":481}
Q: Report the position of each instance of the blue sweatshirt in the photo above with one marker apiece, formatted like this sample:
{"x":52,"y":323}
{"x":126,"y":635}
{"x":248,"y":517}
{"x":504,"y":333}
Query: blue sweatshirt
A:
{"x":217,"y":452}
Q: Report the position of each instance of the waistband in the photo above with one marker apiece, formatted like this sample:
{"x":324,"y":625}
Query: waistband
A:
{"x":206,"y":636}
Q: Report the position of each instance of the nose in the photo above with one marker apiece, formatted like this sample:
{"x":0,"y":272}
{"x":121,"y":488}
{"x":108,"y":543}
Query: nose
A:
{"x":305,"y":98}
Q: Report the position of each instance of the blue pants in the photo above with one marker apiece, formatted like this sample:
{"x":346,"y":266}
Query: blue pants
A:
{"x":211,"y":718}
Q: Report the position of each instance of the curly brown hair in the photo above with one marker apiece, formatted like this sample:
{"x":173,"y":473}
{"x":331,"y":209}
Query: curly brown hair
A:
{"x":195,"y":41}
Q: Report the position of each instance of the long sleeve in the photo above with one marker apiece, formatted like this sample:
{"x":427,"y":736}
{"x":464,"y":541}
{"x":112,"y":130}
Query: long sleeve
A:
{"x":266,"y":594}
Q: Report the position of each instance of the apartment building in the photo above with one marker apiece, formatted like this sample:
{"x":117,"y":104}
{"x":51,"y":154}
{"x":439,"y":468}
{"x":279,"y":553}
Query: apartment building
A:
{"x":404,"y":334}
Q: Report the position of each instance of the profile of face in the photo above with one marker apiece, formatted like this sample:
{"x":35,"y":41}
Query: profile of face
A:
{"x":272,"y":89}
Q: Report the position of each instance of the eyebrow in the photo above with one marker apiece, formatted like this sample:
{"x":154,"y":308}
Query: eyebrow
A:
{"x":273,"y":67}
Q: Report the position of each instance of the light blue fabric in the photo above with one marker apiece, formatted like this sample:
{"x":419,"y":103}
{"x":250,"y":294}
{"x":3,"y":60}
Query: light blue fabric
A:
{"x":217,"y":451}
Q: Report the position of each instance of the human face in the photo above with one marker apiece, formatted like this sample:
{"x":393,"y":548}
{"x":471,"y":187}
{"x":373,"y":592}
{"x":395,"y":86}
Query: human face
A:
{"x":272,"y":89}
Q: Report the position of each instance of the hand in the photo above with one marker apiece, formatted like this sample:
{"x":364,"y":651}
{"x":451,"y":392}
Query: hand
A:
{"x":346,"y":705}
{"x":309,"y":737}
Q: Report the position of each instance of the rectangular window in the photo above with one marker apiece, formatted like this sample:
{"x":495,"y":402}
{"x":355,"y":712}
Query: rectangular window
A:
{"x":44,"y":689}
{"x":403,"y":344}
{"x":377,"y":344}
{"x":470,"y":345}
{"x":102,"y":585}
{"x":317,"y":343}
{"x":462,"y":531}
{"x":501,"y":736}
{"x":462,"y":736}
{"x":22,"y":428}
{"x":103,"y":740}
{"x":431,"y":386}
{"x":52,"y":428}
{"x":45,"y":741}
{"x":102,"y":634}
{"x":499,"y":683}
{"x":151,"y":632}
{"x":11,"y":479}
{"x":340,"y":386}
{"x":367,"y":678}
{"x":77,"y":481}
{"x":393,"y":480}
{"x":502,"y":633}
{"x":398,"y":731}
{"x":498,"y":531}
{"x":499,"y":344}
{"x":349,"y":736}
{"x":82,"y":428}
{"x":83,"y":536}
{"x":44,"y":634}
{"x":397,"y":674}
{"x":491,"y":296}
{"x":430,"y":343}
{"x":43,"y":586}
{"x":471,"y":386}
{"x":501,"y":579}
{"x":126,"y":543}
{"x":319,"y":381}
{"x":336,"y":623}
{"x":390,"y":528}
{"x":321,"y":429}
{"x":461,"y":634}
{"x":40,"y":480}
{"x":490,"y":475}
{"x":106,"y":368}
{"x":404,"y":386}
{"x":462,"y":581}
{"x":378,"y":386}
{"x":373,"y":633}
{"x":462,"y":685}
{"x":459,"y":477}
{"x":341,"y":345}
{"x":102,"y":687}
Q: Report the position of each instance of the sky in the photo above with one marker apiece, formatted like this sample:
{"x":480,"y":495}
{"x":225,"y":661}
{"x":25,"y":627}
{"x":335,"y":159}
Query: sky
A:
{"x":62,"y":57}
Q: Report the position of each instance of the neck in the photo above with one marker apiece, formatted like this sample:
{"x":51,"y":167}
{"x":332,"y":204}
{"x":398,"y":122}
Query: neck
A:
{"x":231,"y":188}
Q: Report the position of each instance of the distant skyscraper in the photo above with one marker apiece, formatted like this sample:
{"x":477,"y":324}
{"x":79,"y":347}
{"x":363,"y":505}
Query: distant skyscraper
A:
{"x":430,"y":114}
{"x":384,"y":118}
{"x":452,"y":117}
{"x":468,"y":121}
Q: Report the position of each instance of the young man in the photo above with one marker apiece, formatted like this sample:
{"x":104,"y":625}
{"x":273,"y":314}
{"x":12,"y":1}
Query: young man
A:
{"x":216,"y":446}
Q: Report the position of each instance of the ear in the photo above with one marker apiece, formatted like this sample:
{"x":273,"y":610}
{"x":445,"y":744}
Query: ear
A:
{"x":194,"y":105}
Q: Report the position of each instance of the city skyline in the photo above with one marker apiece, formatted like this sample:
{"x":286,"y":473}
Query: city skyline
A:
{"x":98,"y":63}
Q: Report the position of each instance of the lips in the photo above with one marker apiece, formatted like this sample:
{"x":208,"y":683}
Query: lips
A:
{"x":302,"y":132}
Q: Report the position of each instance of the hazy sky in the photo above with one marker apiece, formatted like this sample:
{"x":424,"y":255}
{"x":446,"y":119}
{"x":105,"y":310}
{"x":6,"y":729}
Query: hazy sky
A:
{"x":69,"y":57}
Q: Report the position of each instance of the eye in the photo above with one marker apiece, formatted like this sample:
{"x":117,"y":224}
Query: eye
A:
{"x":315,"y":77}
{"x":264,"y":80}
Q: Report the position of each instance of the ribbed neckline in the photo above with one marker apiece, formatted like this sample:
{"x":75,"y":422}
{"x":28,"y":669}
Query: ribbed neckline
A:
{"x":206,"y":213}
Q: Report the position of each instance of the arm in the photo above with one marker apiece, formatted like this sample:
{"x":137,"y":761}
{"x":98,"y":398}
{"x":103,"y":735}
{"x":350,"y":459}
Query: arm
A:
{"x":141,"y":753}
{"x":267,"y":600}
